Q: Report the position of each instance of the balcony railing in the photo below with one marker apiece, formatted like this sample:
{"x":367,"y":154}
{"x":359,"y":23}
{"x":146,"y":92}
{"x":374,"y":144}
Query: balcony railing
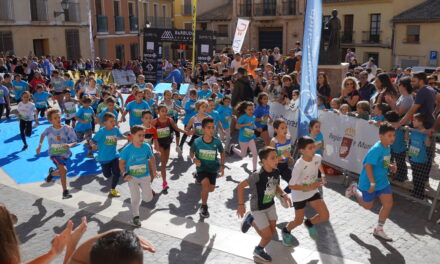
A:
{"x":289,"y":8}
{"x":245,"y":10}
{"x":119,"y":24}
{"x":347,"y":37}
{"x":159,"y":22}
{"x":186,"y":10}
{"x":39,"y":10}
{"x":371,"y":37}
{"x":134,"y":25}
{"x":265,"y":9}
{"x":6,"y":10}
{"x":102,"y":23}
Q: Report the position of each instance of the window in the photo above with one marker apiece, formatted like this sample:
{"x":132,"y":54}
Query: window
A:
{"x":413,"y":34}
{"x":6,"y":41}
{"x":145,"y":10}
{"x":73,"y":13}
{"x":102,"y":43}
{"x":164,"y":11}
{"x":6,"y":10}
{"x":38,"y":10}
{"x":187,"y":26}
{"x":73,"y":44}
{"x":116,"y":8}
{"x":325,"y":20}
{"x":187,"y":8}
{"x":120,"y":53}
{"x":131,"y":9}
{"x":223,"y":31}
{"x":134,"y":51}
{"x":98,"y":7}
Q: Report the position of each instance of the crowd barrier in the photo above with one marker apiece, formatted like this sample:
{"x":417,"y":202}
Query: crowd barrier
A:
{"x":347,"y":141}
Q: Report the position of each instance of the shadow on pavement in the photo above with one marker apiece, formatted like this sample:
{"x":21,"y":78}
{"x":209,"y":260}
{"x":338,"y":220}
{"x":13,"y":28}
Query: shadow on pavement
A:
{"x":376,"y":255}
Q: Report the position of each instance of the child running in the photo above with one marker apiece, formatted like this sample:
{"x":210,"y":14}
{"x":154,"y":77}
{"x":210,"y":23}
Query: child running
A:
{"x":283,"y":145}
{"x":40,"y":100}
{"x":150,"y":130}
{"x":225,"y":112}
{"x":262,"y":118}
{"x":246,"y":136}
{"x":171,"y":110}
{"x":60,"y":139}
{"x":373,"y":181}
{"x":27,"y":114}
{"x":105,"y":141}
{"x":195,"y":123}
{"x":135,"y":109}
{"x":137,"y":163}
{"x":83,"y":128}
{"x":316,"y":135}
{"x":190,"y":111}
{"x":69,"y":108}
{"x":304,"y":184}
{"x":111,"y":108}
{"x":203,"y":153}
{"x":263,"y":187}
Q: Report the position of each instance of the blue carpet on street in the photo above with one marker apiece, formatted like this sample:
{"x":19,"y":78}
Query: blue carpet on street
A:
{"x":26,"y":166}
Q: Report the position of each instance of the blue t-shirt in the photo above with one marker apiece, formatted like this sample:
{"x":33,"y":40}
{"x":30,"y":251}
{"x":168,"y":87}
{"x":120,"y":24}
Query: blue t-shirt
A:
{"x":85,"y":114}
{"x":19,"y":87}
{"x":207,"y":154}
{"x":190,"y":111}
{"x":225,"y":114}
{"x":260,"y":112}
{"x":136,"y":160}
{"x":141,"y":86}
{"x":323,"y":106}
{"x":281,"y":148}
{"x":220,"y":95}
{"x":214,"y":114}
{"x":70,"y":84}
{"x":379,"y":157}
{"x":135,"y":110}
{"x":105,"y":110}
{"x":3,"y":92}
{"x":58,"y":138}
{"x":378,"y":118}
{"x":246,"y":133}
{"x":399,"y":144}
{"x":202,"y":94}
{"x":40,"y":99}
{"x":417,"y":147}
{"x":319,"y":142}
{"x":107,"y":141}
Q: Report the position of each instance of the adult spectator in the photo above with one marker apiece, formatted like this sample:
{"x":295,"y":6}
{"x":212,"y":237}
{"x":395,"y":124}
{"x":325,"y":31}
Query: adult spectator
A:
{"x":175,"y":75}
{"x":290,"y":62}
{"x":349,"y":56}
{"x":264,"y":58}
{"x":251,"y":63}
{"x":297,"y":46}
{"x":323,"y":87}
{"x":236,"y":63}
{"x":350,"y":94}
{"x":242,"y":88}
{"x":366,"y":88}
{"x":270,"y":57}
{"x":38,"y":79}
{"x":3,"y":67}
{"x":384,"y":89}
{"x":405,"y":100}
{"x":357,"y":72}
{"x":371,"y":64}
{"x":290,"y":84}
{"x":399,"y":74}
{"x":353,"y":64}
{"x":259,"y":84}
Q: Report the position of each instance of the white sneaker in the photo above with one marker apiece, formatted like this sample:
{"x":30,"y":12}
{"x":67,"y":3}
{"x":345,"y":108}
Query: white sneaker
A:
{"x":378,"y":232}
{"x":351,"y":190}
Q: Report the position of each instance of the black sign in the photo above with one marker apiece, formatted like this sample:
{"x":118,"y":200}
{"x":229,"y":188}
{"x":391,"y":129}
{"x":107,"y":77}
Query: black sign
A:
{"x":178,"y":35}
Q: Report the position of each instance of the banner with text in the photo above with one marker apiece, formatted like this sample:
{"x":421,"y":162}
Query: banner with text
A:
{"x":289,"y":114}
{"x":346,"y":140}
{"x":240,"y":34}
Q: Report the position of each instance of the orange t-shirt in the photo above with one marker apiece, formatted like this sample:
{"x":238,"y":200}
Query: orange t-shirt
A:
{"x":253,"y":62}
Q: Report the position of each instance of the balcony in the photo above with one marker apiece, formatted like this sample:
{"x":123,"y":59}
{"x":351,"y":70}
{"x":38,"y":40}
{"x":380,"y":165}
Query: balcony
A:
{"x":134,"y":25}
{"x":347,"y":37}
{"x":245,"y":10}
{"x":289,"y":8}
{"x":265,"y":9}
{"x":102,"y":23}
{"x":186,"y":10}
{"x":159,"y":22}
{"x":119,"y":24}
{"x":371,"y":37}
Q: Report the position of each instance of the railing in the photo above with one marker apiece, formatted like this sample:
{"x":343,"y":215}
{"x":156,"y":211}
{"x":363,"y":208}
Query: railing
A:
{"x":160,"y":22}
{"x":371,"y":37}
{"x":102,"y":23}
{"x":38,"y":10}
{"x":347,"y":37}
{"x":245,"y":10}
{"x":134,"y":25}
{"x":186,"y":10}
{"x":289,"y":8}
{"x":119,"y":24}
{"x":73,"y":13}
{"x":6,"y":10}
{"x":265,"y":9}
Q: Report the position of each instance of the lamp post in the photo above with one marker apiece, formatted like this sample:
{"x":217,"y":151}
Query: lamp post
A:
{"x":65,"y":6}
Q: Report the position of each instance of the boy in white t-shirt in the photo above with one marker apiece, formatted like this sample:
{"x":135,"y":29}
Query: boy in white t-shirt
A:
{"x":304,"y":185}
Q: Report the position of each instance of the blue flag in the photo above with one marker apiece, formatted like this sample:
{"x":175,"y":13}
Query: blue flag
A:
{"x":308,"y":105}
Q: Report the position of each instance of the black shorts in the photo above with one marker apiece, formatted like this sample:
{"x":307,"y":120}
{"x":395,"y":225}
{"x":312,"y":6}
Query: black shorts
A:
{"x":300,"y":205}
{"x":257,"y":133}
{"x":212,"y":177}
{"x":165,"y":143}
{"x":57,"y":93}
{"x":285,"y":171}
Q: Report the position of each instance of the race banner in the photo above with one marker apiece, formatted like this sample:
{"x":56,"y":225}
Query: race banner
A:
{"x":346,"y":140}
{"x":312,"y":38}
{"x":125,"y":78}
{"x":289,"y":114}
{"x":240,"y":34}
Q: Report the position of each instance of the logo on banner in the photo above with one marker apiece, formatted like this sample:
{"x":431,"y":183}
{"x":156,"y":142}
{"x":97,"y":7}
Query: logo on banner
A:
{"x":311,"y":107}
{"x":242,"y":30}
{"x":150,"y":67}
{"x":347,"y":141}
{"x":167,"y":35}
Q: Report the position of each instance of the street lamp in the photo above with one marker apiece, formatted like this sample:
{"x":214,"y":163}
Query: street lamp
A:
{"x":147,"y":24}
{"x":65,"y":6}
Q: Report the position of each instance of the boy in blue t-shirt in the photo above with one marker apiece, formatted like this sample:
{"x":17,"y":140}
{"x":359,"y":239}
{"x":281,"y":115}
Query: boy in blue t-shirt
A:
{"x":204,"y":154}
{"x":136,"y":162}
{"x":378,"y":113}
{"x":418,"y":156}
{"x":40,"y":100}
{"x":398,"y":148}
{"x":205,"y":93}
{"x":135,"y":109}
{"x":111,"y":103}
{"x":60,"y":138}
{"x":4,"y":99}
{"x":373,"y":181}
{"x":20,"y":87}
{"x":83,"y":127}
{"x":105,"y":141}
{"x":190,"y":111}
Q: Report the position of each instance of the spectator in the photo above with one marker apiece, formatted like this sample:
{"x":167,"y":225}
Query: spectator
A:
{"x":323,"y":87}
{"x":405,"y":100}
{"x":289,"y":85}
{"x":236,"y":63}
{"x":371,"y":64}
{"x":350,"y":94}
{"x":175,"y":75}
{"x":365,"y":87}
{"x":385,"y":89}
{"x":242,"y":89}
{"x":38,"y":79}
{"x":290,"y":62}
{"x":349,"y":56}
{"x":251,"y":63}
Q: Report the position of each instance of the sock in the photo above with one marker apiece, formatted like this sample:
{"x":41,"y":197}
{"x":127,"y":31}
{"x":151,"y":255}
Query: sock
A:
{"x":380,"y":224}
{"x":308,"y":223}
{"x":285,"y":230}
{"x":260,"y":248}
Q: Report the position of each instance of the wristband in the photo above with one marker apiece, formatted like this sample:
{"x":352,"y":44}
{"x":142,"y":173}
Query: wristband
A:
{"x":373,"y":184}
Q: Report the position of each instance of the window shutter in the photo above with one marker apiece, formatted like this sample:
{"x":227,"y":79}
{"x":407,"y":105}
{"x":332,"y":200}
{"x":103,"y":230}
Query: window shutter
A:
{"x":72,"y":44}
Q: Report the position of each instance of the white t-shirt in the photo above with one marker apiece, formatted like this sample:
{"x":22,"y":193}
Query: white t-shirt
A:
{"x":305,"y":173}
{"x":26,"y":111}
{"x":235,"y":65}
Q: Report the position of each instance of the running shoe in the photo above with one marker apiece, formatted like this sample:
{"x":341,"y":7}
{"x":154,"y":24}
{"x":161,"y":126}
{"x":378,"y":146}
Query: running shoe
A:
{"x":204,"y":211}
{"x":287,"y":239}
{"x":66,"y":194}
{"x":114,"y":193}
{"x":165,"y":187}
{"x":351,"y":190}
{"x":378,"y":232}
{"x":49,"y":176}
{"x":262,"y":255}
{"x":247,"y":222}
{"x":137,"y":221}
{"x":24,"y":147}
{"x":312,"y":232}
{"x":231,"y":150}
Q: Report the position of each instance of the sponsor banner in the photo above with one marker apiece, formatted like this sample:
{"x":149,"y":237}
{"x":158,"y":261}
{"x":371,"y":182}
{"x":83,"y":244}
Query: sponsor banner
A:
{"x":347,"y":140}
{"x":240,"y":34}
{"x":179,"y":36}
{"x":104,"y":75}
{"x":278,"y":110}
{"x":124,"y":77}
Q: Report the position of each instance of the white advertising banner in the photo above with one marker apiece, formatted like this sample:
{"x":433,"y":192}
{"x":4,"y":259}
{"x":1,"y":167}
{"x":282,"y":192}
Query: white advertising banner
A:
{"x":278,"y":110}
{"x":240,"y":34}
{"x":346,"y":140}
{"x":124,"y":77}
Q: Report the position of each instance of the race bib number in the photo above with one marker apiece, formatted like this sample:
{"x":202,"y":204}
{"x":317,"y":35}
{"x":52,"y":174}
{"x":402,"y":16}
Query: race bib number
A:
{"x":263,"y":122}
{"x":413,"y":151}
{"x":58,"y":149}
{"x":199,"y":130}
{"x":249,"y":133}
{"x":206,"y":154}
{"x":267,"y":198}
{"x":41,"y":104}
{"x":137,"y":112}
{"x":71,"y":110}
{"x":163,"y":132}
{"x":282,"y":149}
{"x":87,"y":117}
{"x":111,"y":140}
{"x":318,"y":145}
{"x":137,"y":170}
{"x":386,"y":162}
{"x":24,"y":117}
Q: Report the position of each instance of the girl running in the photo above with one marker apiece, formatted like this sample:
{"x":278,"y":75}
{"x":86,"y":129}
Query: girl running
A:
{"x":225,"y":112}
{"x":262,"y":118}
{"x":195,"y":123}
{"x":171,"y":110}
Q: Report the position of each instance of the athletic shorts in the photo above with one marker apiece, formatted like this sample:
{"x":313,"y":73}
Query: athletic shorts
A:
{"x":302,"y":204}
{"x":86,"y":134}
{"x":257,"y":133}
{"x":212,"y":177}
{"x":57,"y":160}
{"x":369,"y":197}
{"x":285,"y":171}
{"x":262,"y":217}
